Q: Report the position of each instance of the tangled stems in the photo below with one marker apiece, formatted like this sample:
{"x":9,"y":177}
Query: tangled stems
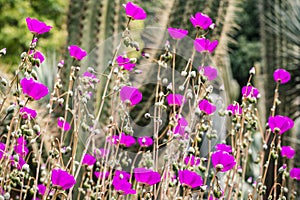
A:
{"x":42,"y":135}
{"x":102,"y":102}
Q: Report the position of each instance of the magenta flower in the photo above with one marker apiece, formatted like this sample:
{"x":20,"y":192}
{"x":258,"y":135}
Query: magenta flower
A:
{"x":295,"y":173}
{"x":131,"y":95}
{"x":27,"y":113}
{"x":207,"y":107}
{"x":201,"y":21}
{"x":88,"y":160}
{"x":282,"y":76}
{"x":62,"y":178}
{"x":34,"y":89}
{"x":61,"y":63}
{"x":61,"y":123}
{"x":287,"y":151}
{"x":125,"y":63}
{"x":177,"y":33}
{"x":21,"y":148}
{"x":223,"y":161}
{"x":135,"y":12}
{"x":210,"y":72}
{"x":181,"y":124}
{"x":146,"y":176}
{"x":189,"y":178}
{"x":235,"y":109}
{"x":91,"y":76}
{"x":2,"y":150}
{"x":191,"y":160}
{"x":121,"y":184}
{"x":205,"y":45}
{"x":101,"y":175}
{"x":175,"y":99}
{"x":122,"y":175}
{"x":101,"y":153}
{"x":224,"y":147}
{"x":77,"y":52}
{"x":39,"y":56}
{"x":42,"y":189}
{"x":280,"y":123}
{"x":145,"y":141}
{"x":250,"y":91}
{"x":123,"y":139}
{"x":37,"y":27}
{"x":18,"y":164}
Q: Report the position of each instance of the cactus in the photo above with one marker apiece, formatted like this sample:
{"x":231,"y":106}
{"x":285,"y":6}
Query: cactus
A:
{"x":92,"y":22}
{"x":280,"y":37}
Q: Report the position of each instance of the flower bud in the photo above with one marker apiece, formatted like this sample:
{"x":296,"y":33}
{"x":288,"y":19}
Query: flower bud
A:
{"x":3,"y":52}
{"x":3,"y":81}
{"x":23,"y":55}
{"x":183,"y":73}
{"x":252,"y":71}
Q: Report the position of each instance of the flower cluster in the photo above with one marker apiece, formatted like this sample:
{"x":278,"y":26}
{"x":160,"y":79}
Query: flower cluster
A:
{"x":170,"y":146}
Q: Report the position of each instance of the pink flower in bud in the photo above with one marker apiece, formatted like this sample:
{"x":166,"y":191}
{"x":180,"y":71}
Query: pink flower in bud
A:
{"x":2,"y":52}
{"x":61,"y":63}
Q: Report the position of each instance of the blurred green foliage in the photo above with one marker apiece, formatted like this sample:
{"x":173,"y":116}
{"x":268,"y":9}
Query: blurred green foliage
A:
{"x":246,"y":51}
{"x":14,"y":34}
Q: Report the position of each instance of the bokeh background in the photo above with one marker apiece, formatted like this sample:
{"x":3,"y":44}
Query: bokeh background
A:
{"x":260,"y":33}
